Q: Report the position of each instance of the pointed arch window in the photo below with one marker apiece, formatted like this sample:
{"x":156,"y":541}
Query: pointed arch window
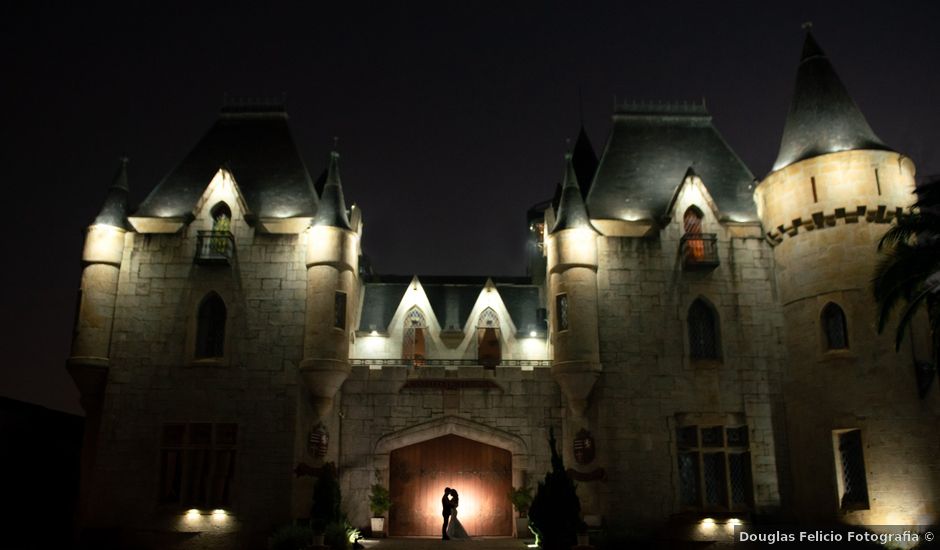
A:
{"x":489,"y":350}
{"x":210,"y":327}
{"x":834,"y":327}
{"x":699,"y":250}
{"x":703,"y":331}
{"x":217,"y":245}
{"x":413,"y":346}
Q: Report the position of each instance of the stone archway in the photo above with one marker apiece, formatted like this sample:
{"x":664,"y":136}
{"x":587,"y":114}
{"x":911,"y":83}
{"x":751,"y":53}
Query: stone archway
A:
{"x":471,"y":456}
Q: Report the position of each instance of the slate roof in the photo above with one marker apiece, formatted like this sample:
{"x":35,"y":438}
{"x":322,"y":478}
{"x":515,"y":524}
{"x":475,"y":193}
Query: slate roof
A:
{"x":650,"y":148}
{"x":114,"y":209}
{"x":823,"y":118}
{"x":256,"y":146}
{"x":571,"y":211}
{"x":331,"y":210}
{"x":452,"y":299}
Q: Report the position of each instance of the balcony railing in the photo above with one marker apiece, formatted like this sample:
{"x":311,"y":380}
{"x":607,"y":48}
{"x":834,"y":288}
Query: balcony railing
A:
{"x":699,"y":251}
{"x":215,"y":247}
{"x":448,"y":362}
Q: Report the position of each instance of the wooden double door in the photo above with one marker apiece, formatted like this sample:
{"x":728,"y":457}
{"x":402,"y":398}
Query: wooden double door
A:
{"x":481,"y":474}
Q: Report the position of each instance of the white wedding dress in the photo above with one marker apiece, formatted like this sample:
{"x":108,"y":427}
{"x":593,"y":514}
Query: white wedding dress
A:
{"x":455,"y":529}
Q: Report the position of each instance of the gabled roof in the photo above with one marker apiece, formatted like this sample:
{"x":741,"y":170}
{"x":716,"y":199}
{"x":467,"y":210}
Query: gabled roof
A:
{"x":452,"y":300}
{"x":114,"y":209}
{"x":256,"y":146}
{"x":650,"y":148}
{"x":823,"y":118}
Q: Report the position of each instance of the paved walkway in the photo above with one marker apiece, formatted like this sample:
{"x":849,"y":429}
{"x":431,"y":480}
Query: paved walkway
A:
{"x":481,"y":543}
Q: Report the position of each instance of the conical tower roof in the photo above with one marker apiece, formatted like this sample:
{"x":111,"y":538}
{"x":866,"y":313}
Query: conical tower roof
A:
{"x":332,"y":208}
{"x":823,"y":118}
{"x":584,"y":160}
{"x":114,"y":210}
{"x":572,"y":213}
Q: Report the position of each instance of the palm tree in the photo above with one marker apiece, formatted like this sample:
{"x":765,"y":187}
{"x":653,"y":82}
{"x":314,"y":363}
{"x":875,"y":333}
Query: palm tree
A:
{"x":908,"y":273}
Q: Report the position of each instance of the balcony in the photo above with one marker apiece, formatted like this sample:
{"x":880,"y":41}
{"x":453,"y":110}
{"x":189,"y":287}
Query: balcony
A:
{"x":699,"y":251}
{"x":215,"y":247}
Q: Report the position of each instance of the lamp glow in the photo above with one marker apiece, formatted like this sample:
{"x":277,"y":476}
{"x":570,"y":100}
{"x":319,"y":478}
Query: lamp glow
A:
{"x":533,"y":334}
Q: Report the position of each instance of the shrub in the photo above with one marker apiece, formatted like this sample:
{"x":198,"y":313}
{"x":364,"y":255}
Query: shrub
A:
{"x":327,"y":499}
{"x":290,"y":537}
{"x":555,"y":514}
{"x":521,"y":499}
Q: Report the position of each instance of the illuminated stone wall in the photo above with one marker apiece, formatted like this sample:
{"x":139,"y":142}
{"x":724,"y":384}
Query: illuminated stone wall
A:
{"x":155,"y":379}
{"x":649,"y":383}
{"x":829,"y":255}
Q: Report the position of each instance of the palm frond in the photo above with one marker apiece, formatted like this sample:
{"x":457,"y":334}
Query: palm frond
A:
{"x":907,"y":315}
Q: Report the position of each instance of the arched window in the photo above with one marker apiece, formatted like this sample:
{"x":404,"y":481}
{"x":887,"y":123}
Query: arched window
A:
{"x":695,"y":246}
{"x":833,"y":323}
{"x":489,"y":352}
{"x":703,"y":331}
{"x":221,"y":217}
{"x":210,"y":327}
{"x":413,"y":346}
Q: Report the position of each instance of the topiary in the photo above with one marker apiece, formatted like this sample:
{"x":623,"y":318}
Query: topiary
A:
{"x":555,"y":514}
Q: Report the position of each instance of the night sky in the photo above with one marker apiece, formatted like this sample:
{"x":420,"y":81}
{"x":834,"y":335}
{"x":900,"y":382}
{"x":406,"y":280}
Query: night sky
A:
{"x":452,"y":121}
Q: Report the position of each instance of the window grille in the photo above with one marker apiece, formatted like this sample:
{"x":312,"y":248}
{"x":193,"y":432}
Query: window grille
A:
{"x":210,"y":327}
{"x":489,"y":351}
{"x":339,"y":310}
{"x":714,"y":467}
{"x":833,"y":321}
{"x":413,"y":340}
{"x":854,"y":485}
{"x":561,"y":312}
{"x":197,"y":464}
{"x":703,"y":331}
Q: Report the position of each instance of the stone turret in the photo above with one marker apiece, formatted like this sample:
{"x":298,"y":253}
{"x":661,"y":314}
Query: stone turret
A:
{"x":834,"y":189}
{"x":572,"y":268}
{"x":332,"y":260}
{"x":89,"y":360}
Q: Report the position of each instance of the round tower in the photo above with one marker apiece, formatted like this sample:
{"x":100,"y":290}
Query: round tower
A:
{"x":101,"y":264}
{"x":572,"y":283}
{"x":332,"y":260}
{"x":852,"y":403}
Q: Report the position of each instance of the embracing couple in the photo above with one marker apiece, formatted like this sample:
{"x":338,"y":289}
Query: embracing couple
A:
{"x":452,"y":528}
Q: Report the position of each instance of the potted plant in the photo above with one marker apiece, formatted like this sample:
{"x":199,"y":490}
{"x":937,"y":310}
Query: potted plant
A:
{"x":379,"y":502}
{"x":521,"y":499}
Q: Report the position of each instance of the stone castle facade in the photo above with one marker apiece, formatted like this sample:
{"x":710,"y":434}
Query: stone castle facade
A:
{"x":702,"y":343}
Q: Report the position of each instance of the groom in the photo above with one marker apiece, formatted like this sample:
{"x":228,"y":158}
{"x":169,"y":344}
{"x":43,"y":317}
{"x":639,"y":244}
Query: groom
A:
{"x":447,"y":505}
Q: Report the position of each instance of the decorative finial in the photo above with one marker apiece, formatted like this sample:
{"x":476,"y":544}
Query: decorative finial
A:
{"x":580,"y":106}
{"x":807,"y":25}
{"x":335,"y":142}
{"x":567,"y":145}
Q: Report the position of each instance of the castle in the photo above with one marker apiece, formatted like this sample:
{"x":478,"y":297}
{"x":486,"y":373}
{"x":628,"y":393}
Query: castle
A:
{"x":702,"y":343}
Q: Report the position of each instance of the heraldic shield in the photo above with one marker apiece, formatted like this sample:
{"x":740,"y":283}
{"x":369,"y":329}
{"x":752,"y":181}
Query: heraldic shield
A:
{"x":584,"y":447}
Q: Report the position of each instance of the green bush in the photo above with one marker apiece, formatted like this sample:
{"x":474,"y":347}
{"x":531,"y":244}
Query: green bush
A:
{"x":327,"y":499}
{"x":335,"y":536}
{"x":555,"y":514}
{"x":290,"y":537}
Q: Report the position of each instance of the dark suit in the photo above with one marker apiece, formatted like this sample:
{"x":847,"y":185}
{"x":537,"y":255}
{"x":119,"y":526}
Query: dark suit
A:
{"x":446,"y":509}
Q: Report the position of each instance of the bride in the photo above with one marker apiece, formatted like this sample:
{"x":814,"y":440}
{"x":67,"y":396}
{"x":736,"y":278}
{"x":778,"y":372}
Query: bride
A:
{"x":455,"y":529}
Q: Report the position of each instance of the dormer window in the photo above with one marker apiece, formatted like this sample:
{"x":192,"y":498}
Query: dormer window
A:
{"x":489,"y":351}
{"x":413,"y":348}
{"x":218,"y":245}
{"x":699,"y":250}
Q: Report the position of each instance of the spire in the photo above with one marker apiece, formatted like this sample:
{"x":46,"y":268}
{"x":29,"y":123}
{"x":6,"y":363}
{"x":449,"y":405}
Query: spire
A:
{"x":332,"y":209}
{"x":572,"y":213}
{"x":823,"y":118}
{"x":584,"y":160}
{"x":114,"y":210}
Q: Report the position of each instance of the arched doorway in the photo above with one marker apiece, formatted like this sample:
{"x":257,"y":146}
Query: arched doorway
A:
{"x":481,"y":473}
